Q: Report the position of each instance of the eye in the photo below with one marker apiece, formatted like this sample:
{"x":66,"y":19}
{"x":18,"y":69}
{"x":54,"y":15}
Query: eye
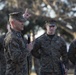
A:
{"x":51,"y":26}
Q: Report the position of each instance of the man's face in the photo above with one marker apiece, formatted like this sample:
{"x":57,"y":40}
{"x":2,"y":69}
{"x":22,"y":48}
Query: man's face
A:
{"x":50,"y":29}
{"x":18,"y":25}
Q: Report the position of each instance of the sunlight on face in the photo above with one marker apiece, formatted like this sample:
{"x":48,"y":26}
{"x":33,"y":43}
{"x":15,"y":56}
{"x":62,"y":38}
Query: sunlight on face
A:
{"x":18,"y":25}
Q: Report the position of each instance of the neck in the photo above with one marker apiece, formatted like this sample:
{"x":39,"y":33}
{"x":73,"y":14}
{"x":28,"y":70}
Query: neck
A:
{"x":50,"y":33}
{"x":15,"y":29}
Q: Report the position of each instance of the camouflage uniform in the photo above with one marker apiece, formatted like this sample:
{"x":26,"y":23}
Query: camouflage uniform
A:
{"x":15,"y":53}
{"x":50,"y":53}
{"x":2,"y":58}
{"x":72,"y":53}
{"x":29,"y":63}
{"x":29,"y":58}
{"x":37,"y":66}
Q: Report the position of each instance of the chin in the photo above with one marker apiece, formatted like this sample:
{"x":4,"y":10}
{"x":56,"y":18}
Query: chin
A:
{"x":22,"y":28}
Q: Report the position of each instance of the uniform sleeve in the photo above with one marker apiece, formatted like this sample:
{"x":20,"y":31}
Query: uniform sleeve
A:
{"x":35,"y":50}
{"x":72,"y":53}
{"x":29,"y":61}
{"x":14,"y":50}
{"x":64,"y":55}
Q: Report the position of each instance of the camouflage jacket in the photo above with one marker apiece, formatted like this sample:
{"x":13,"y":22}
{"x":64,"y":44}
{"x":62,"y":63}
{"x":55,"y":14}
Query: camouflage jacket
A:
{"x":51,"y":51}
{"x":72,"y":52}
{"x":15,"y":53}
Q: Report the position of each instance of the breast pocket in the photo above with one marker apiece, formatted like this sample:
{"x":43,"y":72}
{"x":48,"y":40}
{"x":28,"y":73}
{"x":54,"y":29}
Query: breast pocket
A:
{"x":22,"y":44}
{"x":57,"y":45}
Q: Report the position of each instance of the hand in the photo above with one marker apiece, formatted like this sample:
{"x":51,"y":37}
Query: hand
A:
{"x":66,"y":71}
{"x":26,"y":14}
{"x":30,"y":46}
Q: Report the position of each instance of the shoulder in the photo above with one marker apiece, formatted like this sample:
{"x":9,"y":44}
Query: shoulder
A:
{"x":10,"y":36}
{"x":40,"y":37}
{"x":61,"y":39}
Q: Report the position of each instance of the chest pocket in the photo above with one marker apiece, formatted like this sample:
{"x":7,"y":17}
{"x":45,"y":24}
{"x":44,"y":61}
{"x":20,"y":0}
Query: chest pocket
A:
{"x":22,"y":43}
{"x":56,"y":45}
{"x":46,"y":47}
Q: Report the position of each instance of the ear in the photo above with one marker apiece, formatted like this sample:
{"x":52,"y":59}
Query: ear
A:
{"x":12,"y":22}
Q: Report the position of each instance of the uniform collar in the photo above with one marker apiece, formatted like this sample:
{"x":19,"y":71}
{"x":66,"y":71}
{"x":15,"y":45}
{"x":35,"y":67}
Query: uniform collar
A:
{"x":48,"y":38}
{"x":18,"y":33}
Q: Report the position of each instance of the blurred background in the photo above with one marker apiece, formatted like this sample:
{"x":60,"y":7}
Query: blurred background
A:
{"x":64,"y":11}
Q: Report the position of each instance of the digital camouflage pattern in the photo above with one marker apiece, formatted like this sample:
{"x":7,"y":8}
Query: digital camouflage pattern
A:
{"x":29,"y":57}
{"x":15,"y":53}
{"x":37,"y":66}
{"x":72,"y":54}
{"x":50,"y":53}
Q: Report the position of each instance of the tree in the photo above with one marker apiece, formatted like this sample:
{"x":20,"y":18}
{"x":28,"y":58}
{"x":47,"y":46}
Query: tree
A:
{"x":63,"y":10}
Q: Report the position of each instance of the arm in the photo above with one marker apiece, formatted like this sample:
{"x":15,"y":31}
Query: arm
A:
{"x":65,"y":61}
{"x":14,"y":50}
{"x":64,"y":55}
{"x":71,"y":53}
{"x":35,"y":50}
